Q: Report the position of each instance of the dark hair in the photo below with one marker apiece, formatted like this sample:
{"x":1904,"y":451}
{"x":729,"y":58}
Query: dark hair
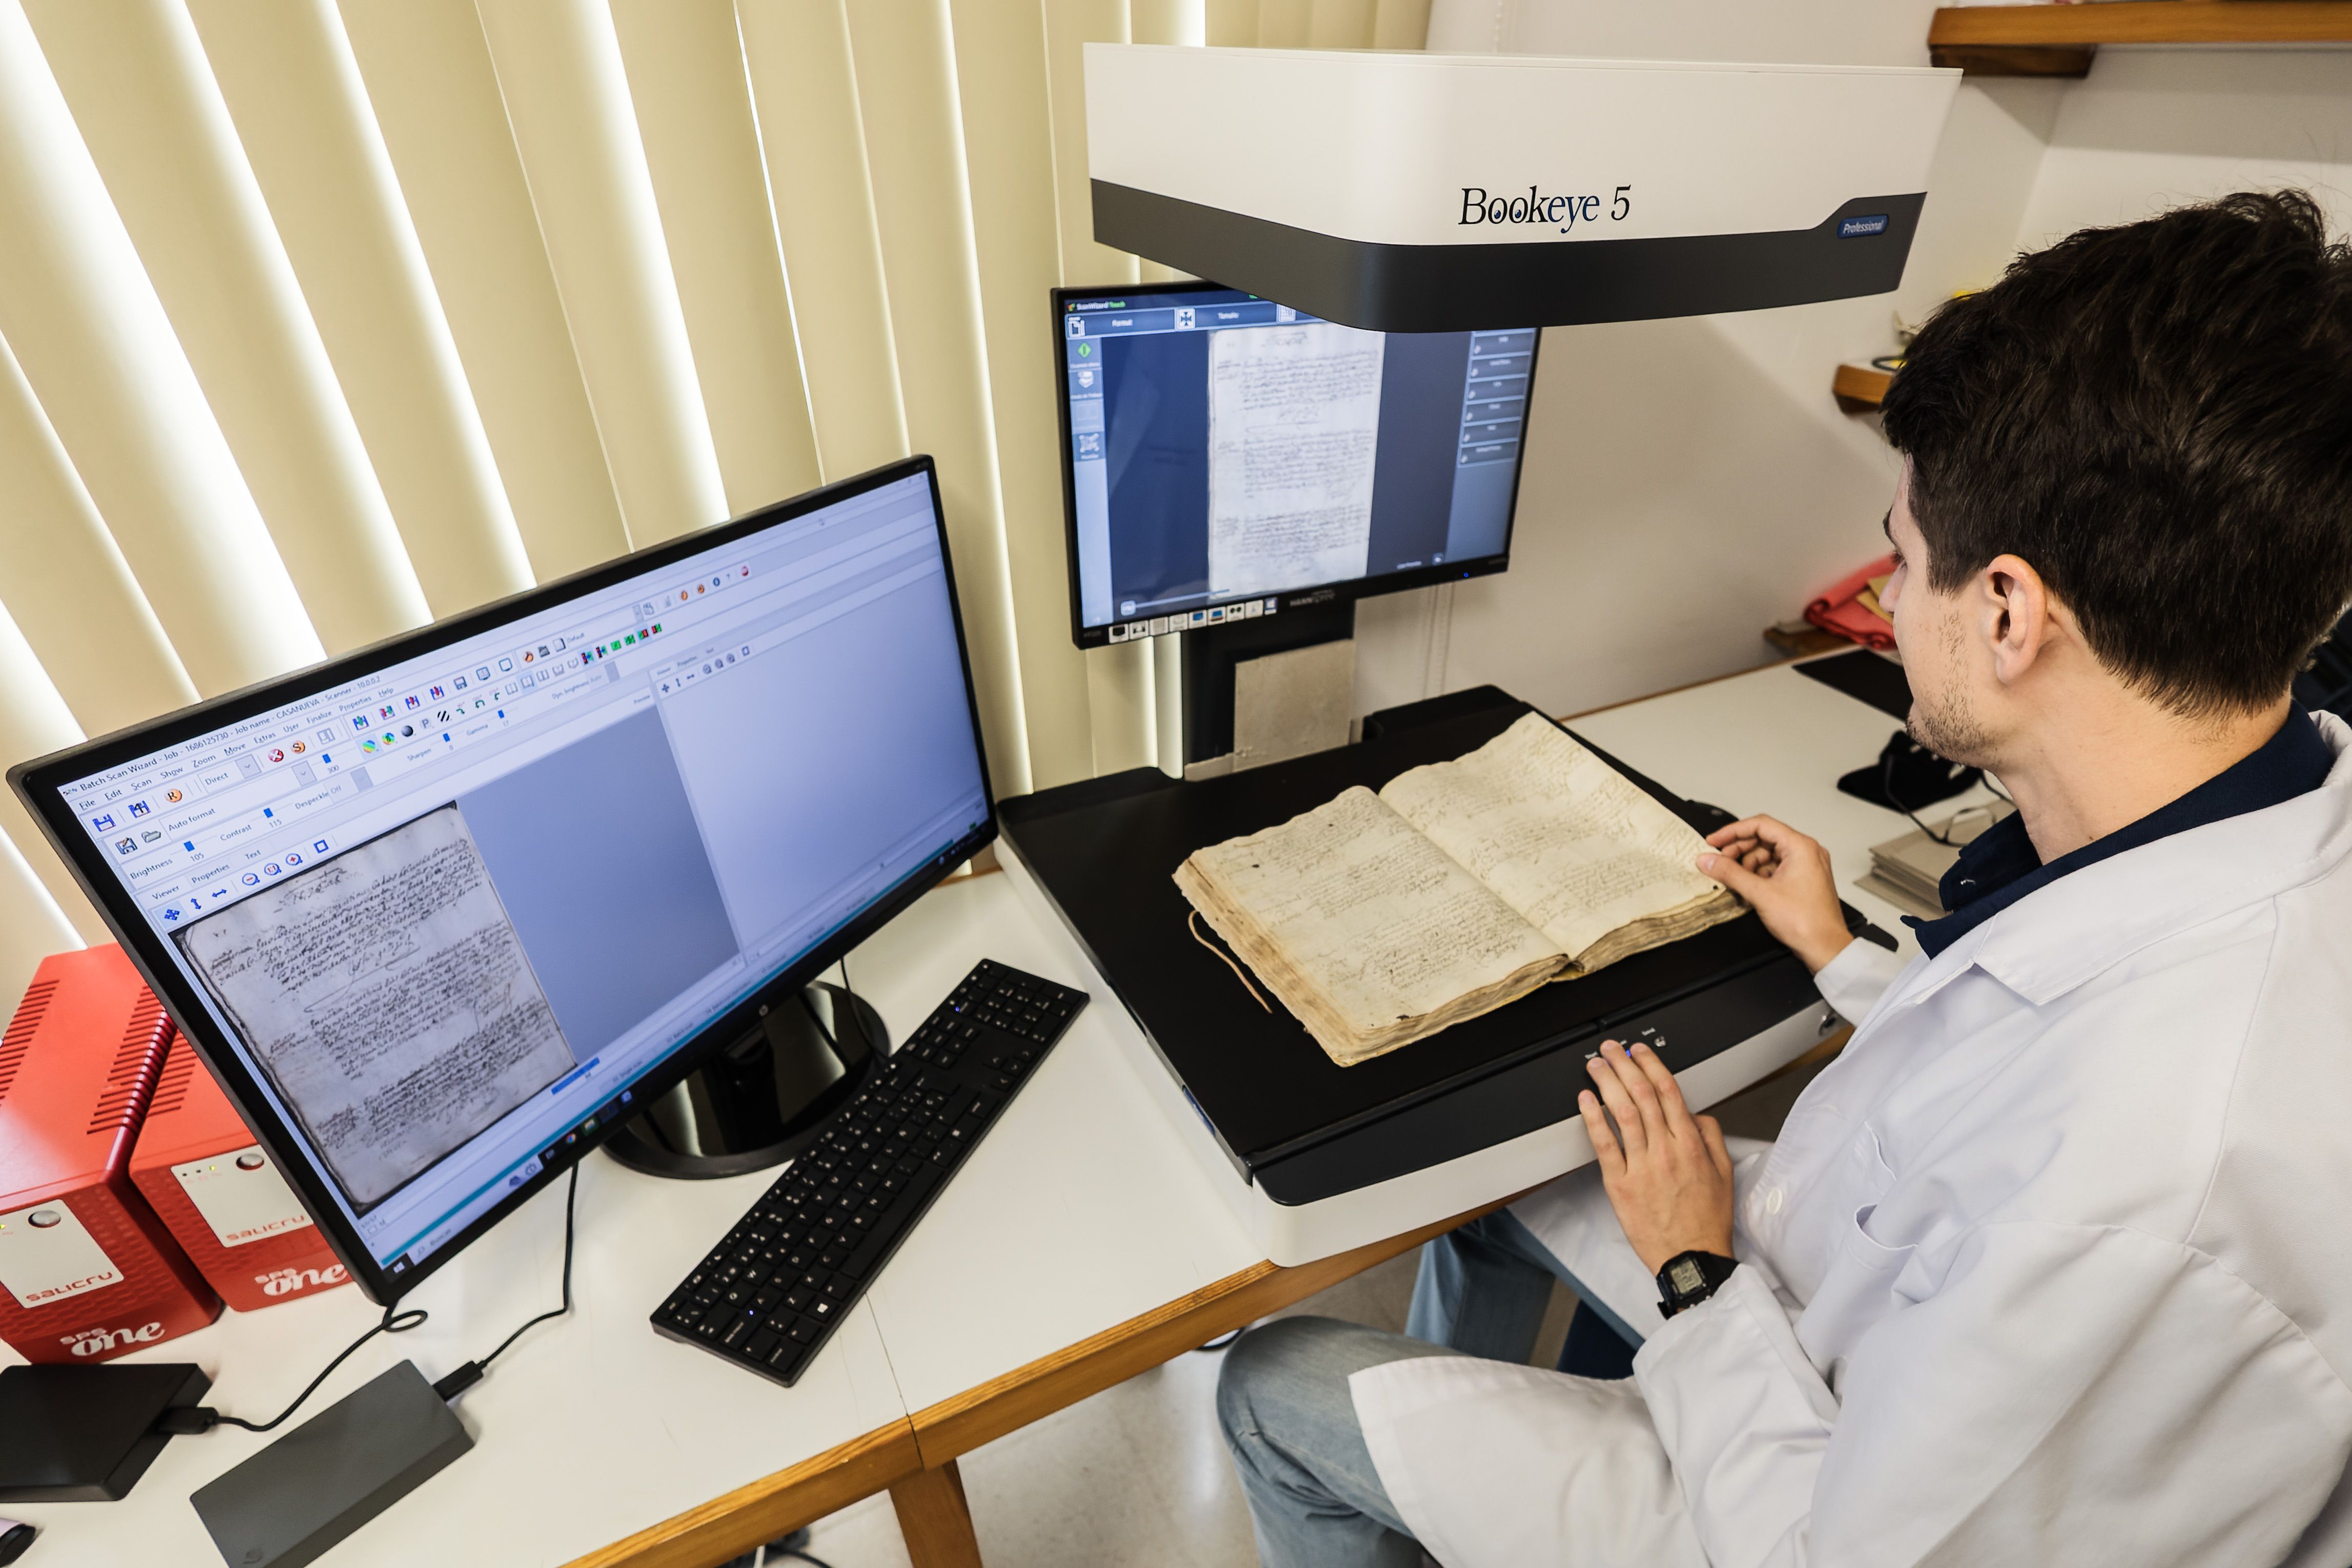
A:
{"x":2157,"y":417}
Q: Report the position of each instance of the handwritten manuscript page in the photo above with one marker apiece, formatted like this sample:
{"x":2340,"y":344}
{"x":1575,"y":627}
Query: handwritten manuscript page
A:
{"x":1362,"y":926}
{"x":1294,"y":421}
{"x":389,"y":1000}
{"x":1594,"y":862}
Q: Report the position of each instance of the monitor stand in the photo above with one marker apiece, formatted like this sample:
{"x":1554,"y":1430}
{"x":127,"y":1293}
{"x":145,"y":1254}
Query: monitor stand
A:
{"x":1255,"y":690}
{"x":764,"y":1099}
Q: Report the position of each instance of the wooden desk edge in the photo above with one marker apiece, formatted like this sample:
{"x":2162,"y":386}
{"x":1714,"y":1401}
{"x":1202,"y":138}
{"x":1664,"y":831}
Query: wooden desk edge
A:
{"x":762,"y":1510}
{"x":960,"y":1423}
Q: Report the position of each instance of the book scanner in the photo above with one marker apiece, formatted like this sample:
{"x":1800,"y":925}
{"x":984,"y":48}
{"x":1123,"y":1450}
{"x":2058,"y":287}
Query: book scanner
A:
{"x":1315,"y":1158}
{"x":1405,"y":192}
{"x":1417,"y":193}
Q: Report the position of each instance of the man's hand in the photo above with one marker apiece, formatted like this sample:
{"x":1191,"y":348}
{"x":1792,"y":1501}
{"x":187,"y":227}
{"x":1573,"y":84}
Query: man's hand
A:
{"x":1785,"y":876}
{"x":1667,"y":1173}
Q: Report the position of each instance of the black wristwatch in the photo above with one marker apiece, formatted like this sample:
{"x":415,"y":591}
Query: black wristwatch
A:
{"x":1690,"y":1277}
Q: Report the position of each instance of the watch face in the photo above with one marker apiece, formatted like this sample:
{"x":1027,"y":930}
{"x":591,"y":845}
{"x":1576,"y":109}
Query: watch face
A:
{"x":1687,"y":1276}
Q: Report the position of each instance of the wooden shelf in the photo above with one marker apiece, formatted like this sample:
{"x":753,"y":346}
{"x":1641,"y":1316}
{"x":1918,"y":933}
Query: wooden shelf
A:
{"x":1859,"y":387}
{"x":2059,"y":40}
{"x":1798,"y":641}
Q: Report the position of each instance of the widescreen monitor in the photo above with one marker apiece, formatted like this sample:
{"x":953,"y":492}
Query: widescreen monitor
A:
{"x":441,"y":913}
{"x":1224,"y":456}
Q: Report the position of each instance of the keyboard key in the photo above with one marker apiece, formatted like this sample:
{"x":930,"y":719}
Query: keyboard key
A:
{"x":770,"y":1292}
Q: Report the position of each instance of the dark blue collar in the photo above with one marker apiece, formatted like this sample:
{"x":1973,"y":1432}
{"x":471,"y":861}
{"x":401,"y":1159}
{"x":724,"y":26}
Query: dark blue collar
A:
{"x":2002,"y":866}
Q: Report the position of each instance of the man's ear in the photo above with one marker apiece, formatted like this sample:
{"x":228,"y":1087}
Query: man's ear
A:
{"x":2016,"y":612}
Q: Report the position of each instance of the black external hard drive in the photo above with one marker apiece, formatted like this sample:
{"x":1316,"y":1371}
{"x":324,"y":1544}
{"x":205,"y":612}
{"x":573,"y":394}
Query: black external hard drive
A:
{"x":85,"y":1434}
{"x":300,"y":1496}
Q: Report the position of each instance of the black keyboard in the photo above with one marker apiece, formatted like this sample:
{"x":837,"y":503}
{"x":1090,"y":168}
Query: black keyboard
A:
{"x":768,"y":1297}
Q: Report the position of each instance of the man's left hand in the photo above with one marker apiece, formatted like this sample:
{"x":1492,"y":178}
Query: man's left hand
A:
{"x":1667,"y":1171}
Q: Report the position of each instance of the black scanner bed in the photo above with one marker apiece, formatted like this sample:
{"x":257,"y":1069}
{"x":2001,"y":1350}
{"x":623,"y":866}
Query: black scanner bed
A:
{"x":1301,"y":1127}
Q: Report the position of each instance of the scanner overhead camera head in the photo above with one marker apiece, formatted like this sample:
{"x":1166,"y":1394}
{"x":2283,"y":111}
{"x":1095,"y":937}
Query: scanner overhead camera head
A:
{"x":1418,"y":193}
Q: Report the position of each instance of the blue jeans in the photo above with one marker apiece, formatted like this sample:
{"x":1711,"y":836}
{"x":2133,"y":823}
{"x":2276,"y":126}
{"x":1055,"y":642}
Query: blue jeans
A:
{"x":1315,"y":1498}
{"x":1483,"y":1289}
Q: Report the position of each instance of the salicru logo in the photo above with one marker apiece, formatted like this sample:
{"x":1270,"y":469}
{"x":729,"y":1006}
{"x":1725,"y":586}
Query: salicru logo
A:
{"x":73,"y":1287}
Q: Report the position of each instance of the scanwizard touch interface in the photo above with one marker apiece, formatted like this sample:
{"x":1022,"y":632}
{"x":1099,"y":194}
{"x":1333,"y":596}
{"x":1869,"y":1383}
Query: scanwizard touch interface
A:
{"x":1223,"y":451}
{"x":450,"y":912}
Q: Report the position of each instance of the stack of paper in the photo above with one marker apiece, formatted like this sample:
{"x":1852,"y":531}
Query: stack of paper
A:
{"x":1907,"y":872}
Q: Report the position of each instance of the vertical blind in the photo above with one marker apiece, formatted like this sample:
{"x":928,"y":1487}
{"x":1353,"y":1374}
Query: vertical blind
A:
{"x":320,"y":319}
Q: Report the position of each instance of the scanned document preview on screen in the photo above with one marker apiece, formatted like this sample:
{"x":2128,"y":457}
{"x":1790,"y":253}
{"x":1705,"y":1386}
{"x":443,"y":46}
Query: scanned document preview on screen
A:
{"x":1294,"y":422}
{"x":389,"y":999}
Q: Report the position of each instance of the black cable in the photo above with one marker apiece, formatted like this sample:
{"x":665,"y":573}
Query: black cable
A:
{"x":1887,"y":783}
{"x":465,"y":1376}
{"x":188,"y":1420}
{"x":778,"y":1553}
{"x":394,"y":1321}
{"x":1218,"y":1344}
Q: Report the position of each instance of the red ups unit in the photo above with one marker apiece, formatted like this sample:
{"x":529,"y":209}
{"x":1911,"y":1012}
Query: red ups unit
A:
{"x":230,"y":1210}
{"x":86,"y":1271}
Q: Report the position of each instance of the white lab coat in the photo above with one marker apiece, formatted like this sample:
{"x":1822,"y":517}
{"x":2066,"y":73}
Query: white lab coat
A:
{"x":2053,"y":1265}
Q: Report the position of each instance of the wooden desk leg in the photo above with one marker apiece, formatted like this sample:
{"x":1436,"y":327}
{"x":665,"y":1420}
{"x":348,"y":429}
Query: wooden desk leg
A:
{"x":935,"y":1520}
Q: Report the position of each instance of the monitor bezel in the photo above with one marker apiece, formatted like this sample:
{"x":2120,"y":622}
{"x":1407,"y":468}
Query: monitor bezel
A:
{"x":39,"y":784}
{"x":1088,"y":637}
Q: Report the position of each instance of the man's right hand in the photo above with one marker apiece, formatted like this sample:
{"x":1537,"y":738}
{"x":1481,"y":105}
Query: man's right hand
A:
{"x":1785,"y":876}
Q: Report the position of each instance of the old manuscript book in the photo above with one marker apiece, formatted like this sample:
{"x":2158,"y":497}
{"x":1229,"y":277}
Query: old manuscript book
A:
{"x":1382,"y":919}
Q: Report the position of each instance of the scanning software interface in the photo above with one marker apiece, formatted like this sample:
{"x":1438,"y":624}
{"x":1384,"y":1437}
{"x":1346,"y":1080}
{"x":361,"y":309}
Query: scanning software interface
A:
{"x":1224,"y":449}
{"x":452,"y":911}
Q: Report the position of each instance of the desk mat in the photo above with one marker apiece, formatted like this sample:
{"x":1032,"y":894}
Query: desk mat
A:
{"x":1866,"y":676}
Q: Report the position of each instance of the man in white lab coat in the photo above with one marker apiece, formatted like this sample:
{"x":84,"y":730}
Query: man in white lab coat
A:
{"x":2052,"y":1264}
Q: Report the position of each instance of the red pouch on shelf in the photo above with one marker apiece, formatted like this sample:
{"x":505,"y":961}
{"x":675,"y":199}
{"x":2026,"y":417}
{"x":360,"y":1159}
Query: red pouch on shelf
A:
{"x":1850,"y":609}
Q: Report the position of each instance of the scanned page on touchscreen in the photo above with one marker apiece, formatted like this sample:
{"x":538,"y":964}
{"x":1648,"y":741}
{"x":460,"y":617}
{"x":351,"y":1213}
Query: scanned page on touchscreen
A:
{"x":388,"y":998}
{"x":1294,"y":417}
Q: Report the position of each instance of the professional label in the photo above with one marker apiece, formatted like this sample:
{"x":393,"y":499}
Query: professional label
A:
{"x":241,"y":1196}
{"x":47,"y":1256}
{"x":1858,"y":228}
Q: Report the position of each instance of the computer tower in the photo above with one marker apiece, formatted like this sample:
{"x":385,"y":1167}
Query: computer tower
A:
{"x":226,"y":1205}
{"x":87,"y":1270}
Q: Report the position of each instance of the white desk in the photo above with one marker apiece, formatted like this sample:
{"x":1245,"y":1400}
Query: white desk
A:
{"x":1082,"y":1243}
{"x":589,"y":1430}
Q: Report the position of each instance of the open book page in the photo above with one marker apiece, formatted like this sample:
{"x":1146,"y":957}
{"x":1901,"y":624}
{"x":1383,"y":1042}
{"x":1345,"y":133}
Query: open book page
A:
{"x":1568,"y":841}
{"x":1293,"y":419}
{"x":1368,"y":931}
{"x":388,"y":998}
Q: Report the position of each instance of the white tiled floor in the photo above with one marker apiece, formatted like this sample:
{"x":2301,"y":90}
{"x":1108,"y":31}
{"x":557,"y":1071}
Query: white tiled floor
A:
{"x":1135,"y":1477}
